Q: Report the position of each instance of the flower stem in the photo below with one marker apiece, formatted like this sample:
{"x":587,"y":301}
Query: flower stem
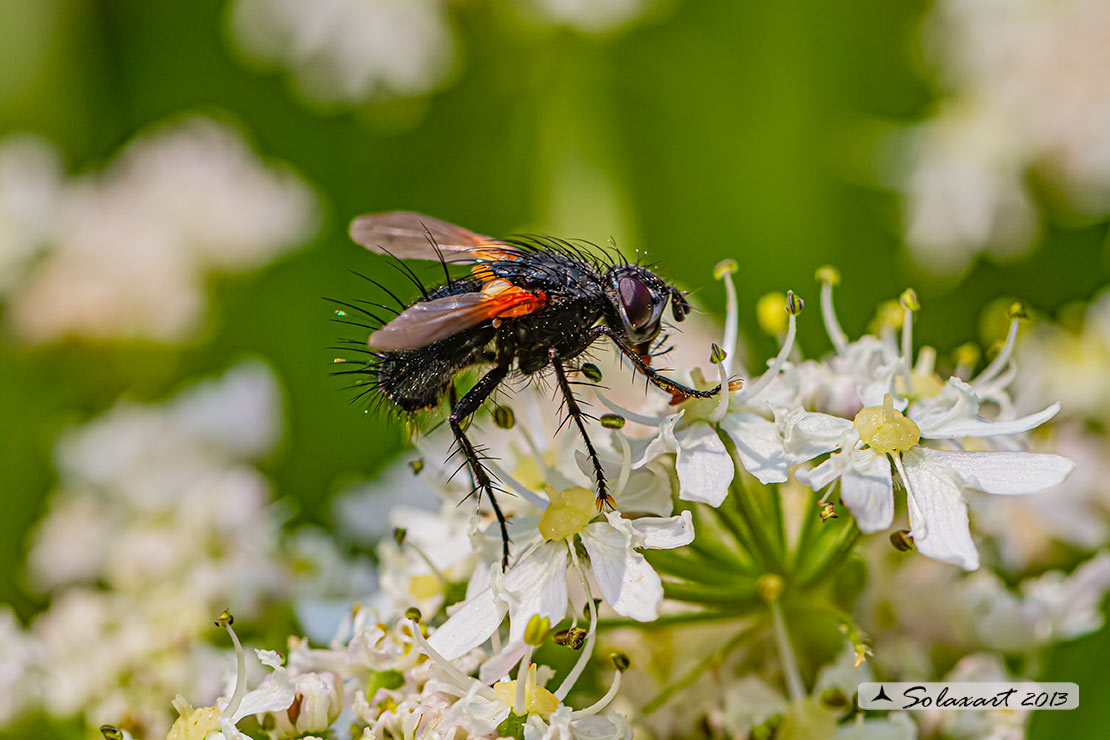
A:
{"x":709,"y":662}
{"x":794,"y":687}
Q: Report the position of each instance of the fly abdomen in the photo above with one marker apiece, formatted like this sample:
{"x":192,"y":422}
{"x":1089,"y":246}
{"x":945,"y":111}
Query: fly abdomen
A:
{"x":417,"y":379}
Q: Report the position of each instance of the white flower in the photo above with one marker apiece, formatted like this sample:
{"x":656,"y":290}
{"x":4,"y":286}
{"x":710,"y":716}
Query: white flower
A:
{"x":128,"y":250}
{"x":703,"y":463}
{"x":30,"y":180}
{"x":536,"y":582}
{"x":934,"y":479}
{"x":347,"y":51}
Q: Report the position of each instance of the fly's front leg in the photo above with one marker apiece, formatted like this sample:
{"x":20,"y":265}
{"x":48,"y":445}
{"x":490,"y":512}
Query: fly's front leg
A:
{"x":676,"y":389}
{"x":574,"y":411}
{"x":462,"y":410}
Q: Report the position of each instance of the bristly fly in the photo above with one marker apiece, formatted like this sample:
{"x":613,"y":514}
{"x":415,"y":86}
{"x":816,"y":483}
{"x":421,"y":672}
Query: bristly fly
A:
{"x":527,"y":305}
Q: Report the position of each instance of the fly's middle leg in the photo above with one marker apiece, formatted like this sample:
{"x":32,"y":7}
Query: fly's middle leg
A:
{"x":574,"y":412}
{"x":461,"y":410}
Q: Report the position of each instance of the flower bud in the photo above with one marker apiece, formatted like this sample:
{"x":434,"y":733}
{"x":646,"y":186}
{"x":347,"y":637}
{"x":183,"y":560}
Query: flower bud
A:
{"x":504,"y":417}
{"x":770,"y":586}
{"x":317,"y":702}
{"x":828,"y":274}
{"x":725,"y":267}
{"x":536,"y":630}
{"x":592,"y":372}
{"x":612,"y":421}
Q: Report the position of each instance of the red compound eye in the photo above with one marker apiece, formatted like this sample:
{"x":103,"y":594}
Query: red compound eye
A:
{"x":637,"y":302}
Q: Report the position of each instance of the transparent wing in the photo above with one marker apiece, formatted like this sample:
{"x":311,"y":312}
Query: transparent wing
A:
{"x":428,"y":322}
{"x":409,"y":235}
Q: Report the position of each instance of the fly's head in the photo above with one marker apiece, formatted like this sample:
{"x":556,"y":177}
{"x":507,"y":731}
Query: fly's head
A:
{"x":637,"y":299}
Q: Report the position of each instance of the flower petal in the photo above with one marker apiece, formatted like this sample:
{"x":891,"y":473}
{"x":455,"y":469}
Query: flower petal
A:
{"x":1004,"y":472}
{"x":806,"y":435}
{"x":938,"y":512}
{"x":955,"y":413}
{"x":628,"y":583}
{"x":661,"y":533}
{"x":472,"y":624}
{"x":867,"y":490}
{"x":274,"y":694}
{"x":825,"y":473}
{"x":537,"y":584}
{"x":703,"y":464}
{"x":759,"y":446}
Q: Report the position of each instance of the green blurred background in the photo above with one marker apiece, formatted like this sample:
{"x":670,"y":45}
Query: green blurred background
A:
{"x":706,"y":130}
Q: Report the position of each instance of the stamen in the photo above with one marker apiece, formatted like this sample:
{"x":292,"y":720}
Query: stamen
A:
{"x":998,"y":363}
{"x":723,"y":396}
{"x":626,"y":464}
{"x":603,"y":702}
{"x":587,"y":651}
{"x":460,"y":678}
{"x":225,"y":620}
{"x":724,"y":271}
{"x":829,"y":277}
{"x":780,"y":359}
{"x":793,"y":676}
{"x":523,"y":676}
{"x":897,"y":459}
{"x":649,"y":421}
{"x":909,"y":304}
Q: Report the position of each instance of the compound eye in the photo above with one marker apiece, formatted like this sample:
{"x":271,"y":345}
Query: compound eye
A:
{"x":637,"y":302}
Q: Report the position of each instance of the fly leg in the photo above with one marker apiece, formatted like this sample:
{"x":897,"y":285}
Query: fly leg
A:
{"x":574,"y":411}
{"x":676,"y":389}
{"x":463,"y":409}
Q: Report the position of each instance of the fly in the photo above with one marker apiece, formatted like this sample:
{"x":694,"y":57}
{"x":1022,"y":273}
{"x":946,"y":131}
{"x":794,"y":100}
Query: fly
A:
{"x":527,"y":306}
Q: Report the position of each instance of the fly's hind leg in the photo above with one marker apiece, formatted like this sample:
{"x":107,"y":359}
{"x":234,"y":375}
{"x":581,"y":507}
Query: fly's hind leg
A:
{"x":463,"y":409}
{"x":574,"y":412}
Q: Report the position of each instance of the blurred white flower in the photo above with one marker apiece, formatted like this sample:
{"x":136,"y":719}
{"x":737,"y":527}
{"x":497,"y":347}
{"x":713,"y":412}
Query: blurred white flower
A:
{"x":593,"y":16}
{"x":18,"y":685}
{"x":127,"y":251}
{"x":1026,"y":90}
{"x":30,"y":183}
{"x":347,"y":51}
{"x":159,"y":520}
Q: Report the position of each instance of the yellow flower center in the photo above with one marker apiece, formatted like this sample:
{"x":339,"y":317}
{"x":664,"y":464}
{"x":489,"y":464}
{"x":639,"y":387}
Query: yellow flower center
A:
{"x":923,"y":385}
{"x":568,"y":513}
{"x":537,"y":699}
{"x":885,"y":430}
{"x":197,"y":725}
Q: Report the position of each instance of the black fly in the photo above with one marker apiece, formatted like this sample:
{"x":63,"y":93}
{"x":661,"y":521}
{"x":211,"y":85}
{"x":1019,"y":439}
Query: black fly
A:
{"x":527,"y":305}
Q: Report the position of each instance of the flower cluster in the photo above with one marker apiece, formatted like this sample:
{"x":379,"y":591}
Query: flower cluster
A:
{"x":732,"y":583}
{"x":159,"y":518}
{"x":1024,"y":91}
{"x":125,"y":253}
{"x":349,"y":51}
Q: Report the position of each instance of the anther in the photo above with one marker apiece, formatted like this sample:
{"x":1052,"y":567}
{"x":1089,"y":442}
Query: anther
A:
{"x":111,"y":732}
{"x":620,"y":660}
{"x":417,"y":465}
{"x":592,"y":372}
{"x":909,"y":300}
{"x":794,"y":303}
{"x":828,"y":274}
{"x":573,"y":638}
{"x":413,"y":613}
{"x":536,"y":630}
{"x":725,"y":267}
{"x":503,"y":417}
{"x":902,"y":540}
{"x":717,"y":355}
{"x":612,"y":421}
{"x":399,"y":534}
